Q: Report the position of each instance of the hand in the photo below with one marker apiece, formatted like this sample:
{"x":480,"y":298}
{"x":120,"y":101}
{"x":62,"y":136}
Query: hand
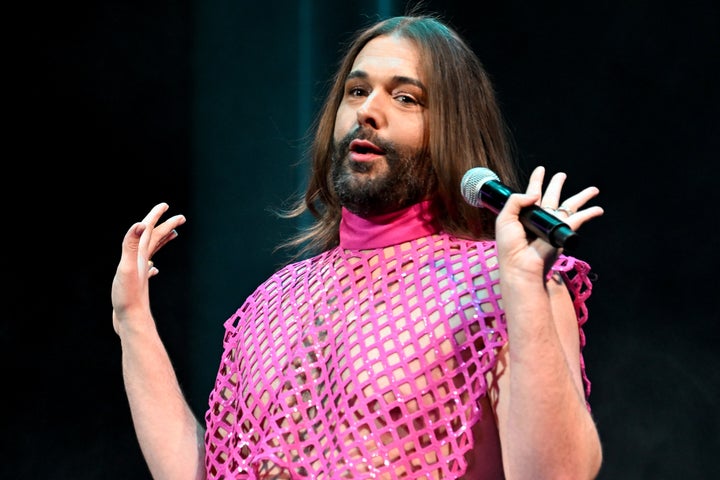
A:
{"x":130,"y":292}
{"x":529,"y":254}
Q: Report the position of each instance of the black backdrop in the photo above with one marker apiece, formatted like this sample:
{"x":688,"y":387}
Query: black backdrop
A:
{"x":115,"y":106}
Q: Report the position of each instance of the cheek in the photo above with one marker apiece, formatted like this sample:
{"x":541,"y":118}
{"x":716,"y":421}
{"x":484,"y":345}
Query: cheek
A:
{"x":411,"y":132}
{"x":344,"y":121}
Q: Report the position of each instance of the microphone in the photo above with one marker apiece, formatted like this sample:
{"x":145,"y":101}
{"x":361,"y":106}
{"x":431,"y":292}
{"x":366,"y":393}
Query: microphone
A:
{"x":481,"y":187}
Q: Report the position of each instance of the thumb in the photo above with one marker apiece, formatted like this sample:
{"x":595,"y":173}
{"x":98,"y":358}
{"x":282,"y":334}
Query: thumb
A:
{"x":131,"y":240}
{"x":516,"y":202}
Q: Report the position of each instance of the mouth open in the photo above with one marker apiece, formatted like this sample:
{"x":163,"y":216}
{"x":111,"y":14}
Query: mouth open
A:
{"x":364,"y":150}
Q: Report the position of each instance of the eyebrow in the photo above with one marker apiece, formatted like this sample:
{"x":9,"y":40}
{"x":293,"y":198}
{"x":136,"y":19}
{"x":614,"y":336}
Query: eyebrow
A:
{"x":396,"y":79}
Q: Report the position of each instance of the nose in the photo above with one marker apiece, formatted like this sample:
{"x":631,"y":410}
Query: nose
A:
{"x":371,"y":113}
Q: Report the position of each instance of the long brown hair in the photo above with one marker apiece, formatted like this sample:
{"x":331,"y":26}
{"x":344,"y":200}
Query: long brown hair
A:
{"x":465,"y":130}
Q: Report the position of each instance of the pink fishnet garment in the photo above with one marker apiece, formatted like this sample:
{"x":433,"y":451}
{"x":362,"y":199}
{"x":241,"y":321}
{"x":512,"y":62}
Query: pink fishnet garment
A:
{"x":364,"y":364}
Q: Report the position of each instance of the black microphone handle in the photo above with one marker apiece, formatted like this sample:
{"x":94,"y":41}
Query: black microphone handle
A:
{"x":535,"y":219}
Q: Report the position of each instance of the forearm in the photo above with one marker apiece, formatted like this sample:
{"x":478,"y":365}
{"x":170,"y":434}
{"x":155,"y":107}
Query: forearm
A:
{"x":549,"y":431}
{"x":169,"y":434}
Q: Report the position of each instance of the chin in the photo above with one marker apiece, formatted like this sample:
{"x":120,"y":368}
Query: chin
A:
{"x":359,"y":167}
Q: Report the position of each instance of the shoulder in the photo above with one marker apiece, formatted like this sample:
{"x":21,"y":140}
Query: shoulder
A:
{"x":461,"y":243}
{"x":470,"y":251}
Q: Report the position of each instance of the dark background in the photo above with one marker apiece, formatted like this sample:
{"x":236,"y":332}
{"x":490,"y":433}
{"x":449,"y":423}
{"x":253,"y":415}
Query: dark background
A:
{"x":114,"y":106}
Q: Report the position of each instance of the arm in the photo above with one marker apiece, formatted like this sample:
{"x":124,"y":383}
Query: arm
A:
{"x":170,"y":436}
{"x":546,"y":430}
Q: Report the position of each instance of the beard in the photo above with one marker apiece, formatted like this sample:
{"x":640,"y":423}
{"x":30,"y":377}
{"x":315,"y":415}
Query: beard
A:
{"x":375,"y":188}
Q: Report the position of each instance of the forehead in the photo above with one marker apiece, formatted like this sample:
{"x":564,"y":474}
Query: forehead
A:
{"x":393,"y":55}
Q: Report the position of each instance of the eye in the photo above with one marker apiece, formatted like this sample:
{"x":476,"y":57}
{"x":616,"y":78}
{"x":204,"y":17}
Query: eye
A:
{"x":356,"y":91}
{"x":410,"y":100}
{"x":407,"y":99}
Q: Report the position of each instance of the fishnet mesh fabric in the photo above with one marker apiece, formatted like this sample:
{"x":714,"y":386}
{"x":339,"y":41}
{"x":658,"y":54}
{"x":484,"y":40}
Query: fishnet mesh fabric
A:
{"x":364,"y":364}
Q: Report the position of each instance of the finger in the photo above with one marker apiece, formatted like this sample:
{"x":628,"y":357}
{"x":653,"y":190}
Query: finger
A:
{"x":165,"y":232}
{"x":155,"y":213}
{"x":144,"y":233}
{"x":153,"y":270}
{"x":551,"y":197}
{"x":130,"y":243}
{"x":576,"y":220}
{"x":574,"y":203}
{"x":165,"y":239}
{"x":515,"y":203}
{"x":535,"y":183}
{"x":573,"y":211}
{"x":150,"y":221}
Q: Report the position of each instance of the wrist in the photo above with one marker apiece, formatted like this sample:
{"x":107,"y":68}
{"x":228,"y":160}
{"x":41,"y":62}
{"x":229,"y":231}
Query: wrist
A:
{"x":133,"y":322}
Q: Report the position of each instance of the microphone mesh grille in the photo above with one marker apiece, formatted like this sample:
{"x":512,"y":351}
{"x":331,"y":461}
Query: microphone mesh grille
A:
{"x":471,"y":183}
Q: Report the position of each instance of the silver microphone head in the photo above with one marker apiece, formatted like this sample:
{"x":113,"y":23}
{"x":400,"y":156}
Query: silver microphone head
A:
{"x":472,"y":181}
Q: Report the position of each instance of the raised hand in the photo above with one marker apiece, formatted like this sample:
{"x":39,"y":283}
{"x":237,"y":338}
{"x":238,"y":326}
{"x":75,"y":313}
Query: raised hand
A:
{"x":130,"y":292}
{"x":516,"y":249}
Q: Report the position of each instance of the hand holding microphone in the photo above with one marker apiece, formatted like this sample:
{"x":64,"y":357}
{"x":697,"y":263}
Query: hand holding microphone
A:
{"x":481,"y":187}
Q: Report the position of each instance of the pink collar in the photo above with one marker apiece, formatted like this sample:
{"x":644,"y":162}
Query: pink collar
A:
{"x":357,"y":233}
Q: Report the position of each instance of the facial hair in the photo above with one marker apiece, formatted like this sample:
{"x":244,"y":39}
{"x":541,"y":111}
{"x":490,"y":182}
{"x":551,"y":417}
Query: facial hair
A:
{"x":403,"y":178}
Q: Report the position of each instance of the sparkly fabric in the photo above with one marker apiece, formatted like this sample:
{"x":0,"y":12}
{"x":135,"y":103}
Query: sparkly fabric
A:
{"x":365,"y":363}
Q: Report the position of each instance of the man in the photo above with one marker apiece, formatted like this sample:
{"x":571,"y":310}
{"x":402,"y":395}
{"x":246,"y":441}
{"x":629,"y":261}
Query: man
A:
{"x":421,"y":338}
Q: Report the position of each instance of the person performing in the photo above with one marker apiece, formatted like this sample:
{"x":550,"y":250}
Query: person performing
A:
{"x":414,"y":336}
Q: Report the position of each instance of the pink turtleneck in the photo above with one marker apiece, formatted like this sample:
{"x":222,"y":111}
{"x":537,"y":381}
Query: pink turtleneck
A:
{"x":358,"y":233}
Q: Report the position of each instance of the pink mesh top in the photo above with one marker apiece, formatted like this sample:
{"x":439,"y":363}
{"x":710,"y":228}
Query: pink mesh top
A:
{"x":368,"y":360}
